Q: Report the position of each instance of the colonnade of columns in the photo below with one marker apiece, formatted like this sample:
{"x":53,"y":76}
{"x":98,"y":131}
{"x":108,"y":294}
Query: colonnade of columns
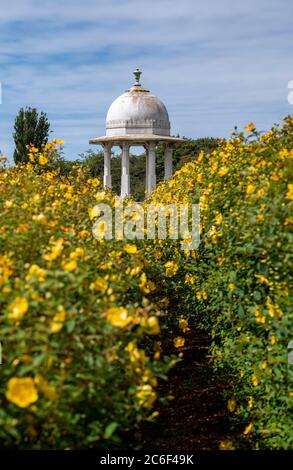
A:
{"x":150,"y":148}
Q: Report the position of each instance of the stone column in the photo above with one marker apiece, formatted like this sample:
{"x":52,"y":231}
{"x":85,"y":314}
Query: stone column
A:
{"x":151,"y":167}
{"x":125,"y":180}
{"x":168,"y":161}
{"x":146,"y":167}
{"x":107,"y":166}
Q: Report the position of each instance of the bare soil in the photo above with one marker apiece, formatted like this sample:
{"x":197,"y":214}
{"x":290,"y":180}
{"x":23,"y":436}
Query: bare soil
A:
{"x":197,"y":418}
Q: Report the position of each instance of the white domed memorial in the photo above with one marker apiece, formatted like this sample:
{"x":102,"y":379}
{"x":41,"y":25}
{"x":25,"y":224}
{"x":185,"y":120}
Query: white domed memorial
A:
{"x":137,"y":118}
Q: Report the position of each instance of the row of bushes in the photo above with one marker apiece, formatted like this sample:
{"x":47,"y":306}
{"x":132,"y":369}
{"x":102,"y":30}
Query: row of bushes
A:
{"x":78,"y":326}
{"x":237,"y":284}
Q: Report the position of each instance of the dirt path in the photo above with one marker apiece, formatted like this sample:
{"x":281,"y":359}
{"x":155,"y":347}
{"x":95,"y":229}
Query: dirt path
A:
{"x":197,"y":418}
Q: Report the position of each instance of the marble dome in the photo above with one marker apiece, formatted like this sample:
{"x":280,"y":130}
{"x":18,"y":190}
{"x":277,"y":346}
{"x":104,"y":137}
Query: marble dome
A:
{"x":137,"y":111}
{"x":137,"y":118}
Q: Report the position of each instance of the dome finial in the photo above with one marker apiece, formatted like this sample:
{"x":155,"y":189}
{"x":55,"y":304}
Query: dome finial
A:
{"x":137,"y":74}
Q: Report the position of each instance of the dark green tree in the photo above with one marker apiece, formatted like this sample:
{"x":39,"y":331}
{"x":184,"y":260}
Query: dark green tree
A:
{"x":30,"y":127}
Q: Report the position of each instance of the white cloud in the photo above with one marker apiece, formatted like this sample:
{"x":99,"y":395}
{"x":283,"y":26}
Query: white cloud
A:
{"x":214,"y":64}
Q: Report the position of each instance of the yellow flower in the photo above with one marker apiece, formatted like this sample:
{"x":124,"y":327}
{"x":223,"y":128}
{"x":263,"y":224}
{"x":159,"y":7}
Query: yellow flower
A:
{"x":270,"y":307}
{"x":43,"y":159}
{"x":250,"y":189}
{"x":137,"y":356}
{"x":261,"y":319}
{"x":213,"y":232}
{"x":118,"y":316}
{"x":60,"y":316}
{"x":100,"y":195}
{"x":250,"y":402}
{"x":40,"y":218}
{"x":18,"y":308}
{"x":219,"y":219}
{"x":77,"y":253}
{"x":289,"y":194}
{"x":262,"y":279}
{"x":56,"y":250}
{"x":183,"y":325}
{"x":250,"y":127}
{"x":231,"y":286}
{"x":189,"y":279}
{"x":198,"y":295}
{"x":37,"y":272}
{"x":131,"y":249}
{"x":260,"y":193}
{"x":171,"y":268}
{"x":158,"y":254}
{"x":283,"y":153}
{"x":226,"y":445}
{"x":273,"y":340}
{"x":83,"y":233}
{"x":57,"y":323}
{"x":179,"y":342}
{"x":146,"y":395}
{"x":254,"y":380}
{"x":94,"y":182}
{"x":145,"y":285}
{"x":223,"y":171}
{"x":248,"y":429}
{"x":148,"y":377}
{"x":94,"y":212}
{"x":70,"y":266}
{"x":151,"y":324}
{"x":56,"y":327}
{"x":99,"y":284}
{"x":231,"y":405}
{"x":134,"y":271}
{"x":21,"y":391}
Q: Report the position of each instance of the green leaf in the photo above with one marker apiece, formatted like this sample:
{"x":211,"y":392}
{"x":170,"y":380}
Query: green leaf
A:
{"x":110,"y":429}
{"x":70,"y":326}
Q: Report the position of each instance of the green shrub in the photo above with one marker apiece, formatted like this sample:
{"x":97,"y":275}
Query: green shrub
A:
{"x":237,"y":284}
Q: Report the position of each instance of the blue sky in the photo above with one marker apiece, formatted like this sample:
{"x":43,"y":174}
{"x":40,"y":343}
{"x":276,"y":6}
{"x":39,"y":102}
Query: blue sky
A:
{"x":214,"y":64}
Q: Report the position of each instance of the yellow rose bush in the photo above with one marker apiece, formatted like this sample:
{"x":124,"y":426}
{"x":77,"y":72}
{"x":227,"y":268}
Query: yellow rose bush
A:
{"x":77,"y":328}
{"x":237,"y":284}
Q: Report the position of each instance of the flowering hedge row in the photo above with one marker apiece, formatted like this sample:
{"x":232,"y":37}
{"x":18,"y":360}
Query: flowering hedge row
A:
{"x":236,"y":285}
{"x":77,"y":329}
